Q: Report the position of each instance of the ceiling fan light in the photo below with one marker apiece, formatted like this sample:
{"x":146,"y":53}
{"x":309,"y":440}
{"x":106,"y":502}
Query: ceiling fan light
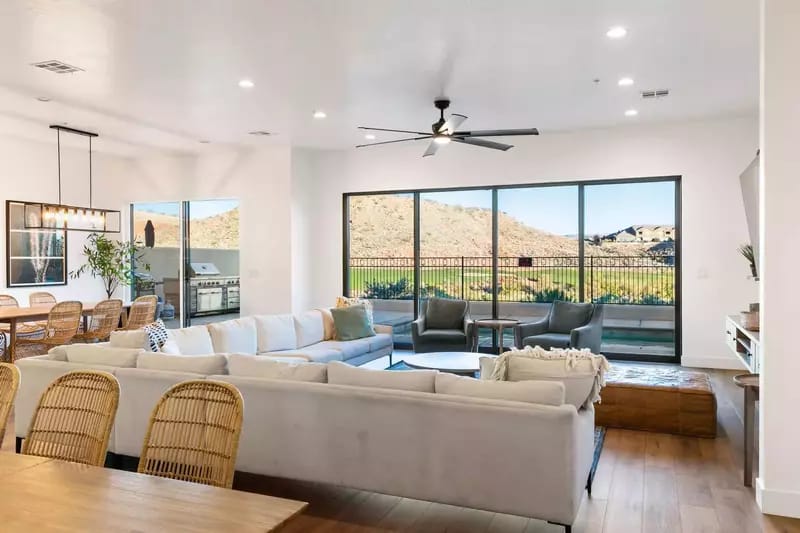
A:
{"x":442,"y":139}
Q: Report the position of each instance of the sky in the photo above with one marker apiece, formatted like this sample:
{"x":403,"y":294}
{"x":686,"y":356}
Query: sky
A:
{"x":197,"y":208}
{"x":609,"y":208}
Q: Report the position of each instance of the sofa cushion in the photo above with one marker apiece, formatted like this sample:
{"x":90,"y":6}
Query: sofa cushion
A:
{"x":410,"y":380}
{"x":327,"y":324}
{"x":541,"y":392}
{"x":442,"y":313}
{"x":309,"y":328}
{"x":444,"y":335}
{"x":263,"y":367}
{"x":348,"y":349}
{"x":380,"y":341}
{"x":135,"y":338}
{"x":194,"y":340}
{"x":197,"y":364}
{"x":566,"y":316}
{"x":102,"y":355}
{"x":275,"y":332}
{"x":234,"y":336}
{"x":548,"y":340}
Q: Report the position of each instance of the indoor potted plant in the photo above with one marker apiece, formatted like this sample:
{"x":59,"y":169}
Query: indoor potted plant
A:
{"x":748,"y":253}
{"x":110,"y":260}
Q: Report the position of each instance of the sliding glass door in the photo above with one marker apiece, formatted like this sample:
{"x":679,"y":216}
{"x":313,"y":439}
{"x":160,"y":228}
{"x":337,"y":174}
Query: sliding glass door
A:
{"x":512,"y":251}
{"x":192,"y":249}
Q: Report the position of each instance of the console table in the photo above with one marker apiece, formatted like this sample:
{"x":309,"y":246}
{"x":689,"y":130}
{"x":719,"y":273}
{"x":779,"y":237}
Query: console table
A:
{"x":745,"y":343}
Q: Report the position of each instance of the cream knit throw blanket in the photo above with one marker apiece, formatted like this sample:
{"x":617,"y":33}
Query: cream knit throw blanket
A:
{"x":570,"y":357}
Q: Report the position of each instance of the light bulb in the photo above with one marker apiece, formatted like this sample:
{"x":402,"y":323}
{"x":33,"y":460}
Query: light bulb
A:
{"x":442,"y":139}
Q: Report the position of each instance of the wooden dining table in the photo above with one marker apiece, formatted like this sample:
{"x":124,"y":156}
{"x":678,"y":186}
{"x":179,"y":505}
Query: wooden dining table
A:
{"x":43,"y":495}
{"x":14,"y":315}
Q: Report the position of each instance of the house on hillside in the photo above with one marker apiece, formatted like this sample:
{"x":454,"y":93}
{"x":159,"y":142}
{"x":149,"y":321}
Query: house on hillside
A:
{"x":643,"y":233}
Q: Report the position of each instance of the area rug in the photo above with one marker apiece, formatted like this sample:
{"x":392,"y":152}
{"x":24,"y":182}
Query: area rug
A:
{"x":599,"y":431}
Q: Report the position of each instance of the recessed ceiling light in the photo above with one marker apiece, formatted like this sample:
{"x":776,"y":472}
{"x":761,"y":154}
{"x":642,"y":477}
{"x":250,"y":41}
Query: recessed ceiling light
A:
{"x":631,"y":113}
{"x":43,"y":98}
{"x":616,"y":32}
{"x":369,"y":137}
{"x":319,"y":114}
{"x":246,"y":84}
{"x":625,"y":82}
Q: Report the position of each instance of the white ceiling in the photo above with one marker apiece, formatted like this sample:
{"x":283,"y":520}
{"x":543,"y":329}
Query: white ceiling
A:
{"x":165,"y":72}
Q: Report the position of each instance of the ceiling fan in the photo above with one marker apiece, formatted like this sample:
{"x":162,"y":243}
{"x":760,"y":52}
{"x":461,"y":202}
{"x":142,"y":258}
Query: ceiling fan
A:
{"x":444,"y":131}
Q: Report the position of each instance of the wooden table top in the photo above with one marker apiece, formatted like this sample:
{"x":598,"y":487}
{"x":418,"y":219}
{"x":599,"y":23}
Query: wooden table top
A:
{"x":49,"y":495}
{"x":40,"y":311}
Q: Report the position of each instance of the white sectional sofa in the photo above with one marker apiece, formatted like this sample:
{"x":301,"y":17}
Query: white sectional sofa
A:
{"x":308,"y":335}
{"x":390,"y":432}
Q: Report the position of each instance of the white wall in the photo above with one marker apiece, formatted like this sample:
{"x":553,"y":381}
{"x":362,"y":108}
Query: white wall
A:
{"x":709,"y":156}
{"x":30,"y":172}
{"x":778,"y":486}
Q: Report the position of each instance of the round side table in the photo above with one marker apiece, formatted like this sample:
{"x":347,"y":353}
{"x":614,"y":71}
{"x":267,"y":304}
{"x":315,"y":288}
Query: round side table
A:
{"x":750,"y":384}
{"x":497,"y":324}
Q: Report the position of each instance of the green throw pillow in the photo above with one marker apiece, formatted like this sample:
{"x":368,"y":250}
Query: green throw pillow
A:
{"x":352,"y":323}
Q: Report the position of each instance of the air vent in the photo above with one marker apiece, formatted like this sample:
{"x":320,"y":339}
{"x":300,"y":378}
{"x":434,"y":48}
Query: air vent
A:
{"x":57,"y":66}
{"x":658,"y":93}
{"x":259,"y":133}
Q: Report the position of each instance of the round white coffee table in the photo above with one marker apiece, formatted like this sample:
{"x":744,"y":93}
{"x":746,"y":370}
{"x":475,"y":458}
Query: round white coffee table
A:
{"x":461,"y":363}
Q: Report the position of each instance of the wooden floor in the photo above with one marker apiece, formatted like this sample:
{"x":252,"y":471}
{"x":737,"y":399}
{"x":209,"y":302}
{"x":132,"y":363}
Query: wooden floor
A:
{"x":646,"y":482}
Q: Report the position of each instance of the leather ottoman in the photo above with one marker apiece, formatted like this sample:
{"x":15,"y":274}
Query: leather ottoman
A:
{"x":658,"y":398}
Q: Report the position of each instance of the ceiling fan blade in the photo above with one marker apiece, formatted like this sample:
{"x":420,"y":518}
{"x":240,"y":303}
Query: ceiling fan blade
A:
{"x":483,"y":144}
{"x":426,"y":136}
{"x":432,"y":148}
{"x":452,"y":123}
{"x":497,"y":133}
{"x":394,"y":131}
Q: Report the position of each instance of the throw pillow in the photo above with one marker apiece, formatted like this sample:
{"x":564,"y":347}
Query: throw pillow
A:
{"x":309,"y":328}
{"x":541,"y":392}
{"x":157,"y":334}
{"x":137,"y":338}
{"x":259,"y":366}
{"x":352,"y":323}
{"x":209,"y":365}
{"x":275,"y":332}
{"x":581,"y":371}
{"x":344,"y":301}
{"x":412,"y":380}
{"x":328,"y":326}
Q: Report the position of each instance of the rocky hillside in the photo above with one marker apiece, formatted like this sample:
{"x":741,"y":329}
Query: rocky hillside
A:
{"x":219,"y":231}
{"x":383,"y":227}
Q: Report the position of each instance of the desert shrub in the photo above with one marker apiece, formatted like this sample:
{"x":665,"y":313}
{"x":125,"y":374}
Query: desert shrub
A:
{"x":401,"y":289}
{"x":550,"y":295}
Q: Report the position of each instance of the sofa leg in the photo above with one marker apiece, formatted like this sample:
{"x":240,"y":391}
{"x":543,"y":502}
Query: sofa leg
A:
{"x":567,"y":528}
{"x":589,"y":483}
{"x":18,"y":445}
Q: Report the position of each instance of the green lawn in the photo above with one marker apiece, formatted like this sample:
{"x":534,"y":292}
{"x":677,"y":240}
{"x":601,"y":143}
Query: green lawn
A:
{"x":647,"y":285}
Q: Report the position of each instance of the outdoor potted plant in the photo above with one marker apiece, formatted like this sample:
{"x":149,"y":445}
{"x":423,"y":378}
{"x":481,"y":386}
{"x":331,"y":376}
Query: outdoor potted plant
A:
{"x":110,"y":260}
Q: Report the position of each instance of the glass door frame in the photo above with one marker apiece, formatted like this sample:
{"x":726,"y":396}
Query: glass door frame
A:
{"x":581,"y":184}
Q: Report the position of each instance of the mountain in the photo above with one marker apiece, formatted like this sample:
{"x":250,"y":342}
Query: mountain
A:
{"x":382,"y":226}
{"x":218,"y":231}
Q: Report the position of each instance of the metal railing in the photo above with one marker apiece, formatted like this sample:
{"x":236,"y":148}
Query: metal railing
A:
{"x":641,"y":280}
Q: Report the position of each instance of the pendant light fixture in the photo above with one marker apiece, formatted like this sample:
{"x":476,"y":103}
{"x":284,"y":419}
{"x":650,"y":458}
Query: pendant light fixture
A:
{"x":41,"y":215}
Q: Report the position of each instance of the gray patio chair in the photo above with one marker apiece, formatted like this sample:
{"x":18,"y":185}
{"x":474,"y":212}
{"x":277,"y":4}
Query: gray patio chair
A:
{"x":443,"y":325}
{"x":567,"y":325}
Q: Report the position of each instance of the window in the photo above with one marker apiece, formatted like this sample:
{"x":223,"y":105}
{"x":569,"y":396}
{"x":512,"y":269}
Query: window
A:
{"x":511,"y":251}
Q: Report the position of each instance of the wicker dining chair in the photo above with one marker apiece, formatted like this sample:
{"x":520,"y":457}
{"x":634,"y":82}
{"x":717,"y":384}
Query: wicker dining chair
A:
{"x":6,"y":301}
{"x":73,"y":418}
{"x":193,"y":433}
{"x":104,"y":320}
{"x":143,"y":312}
{"x":9,"y":383}
{"x":41,"y":298}
{"x":61,"y":326}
